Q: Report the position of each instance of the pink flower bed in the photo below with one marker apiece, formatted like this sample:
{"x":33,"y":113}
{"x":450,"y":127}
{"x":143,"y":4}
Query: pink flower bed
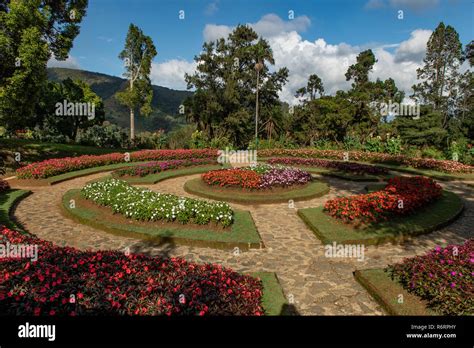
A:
{"x":157,"y":167}
{"x":443,"y":277}
{"x":52,"y":167}
{"x":422,"y":163}
{"x":67,"y":281}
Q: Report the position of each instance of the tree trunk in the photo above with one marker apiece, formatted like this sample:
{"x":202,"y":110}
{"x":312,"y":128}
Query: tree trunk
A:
{"x":132,"y":125}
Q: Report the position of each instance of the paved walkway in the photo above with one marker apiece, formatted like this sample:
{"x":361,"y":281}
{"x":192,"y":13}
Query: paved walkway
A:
{"x":315,"y":284}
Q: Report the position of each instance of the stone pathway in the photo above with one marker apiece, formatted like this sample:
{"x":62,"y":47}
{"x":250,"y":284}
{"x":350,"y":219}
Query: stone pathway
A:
{"x":317,"y":285}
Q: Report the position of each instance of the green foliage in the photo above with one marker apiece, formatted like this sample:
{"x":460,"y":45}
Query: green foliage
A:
{"x":105,"y":136}
{"x":225,"y":83}
{"x":137,"y":55}
{"x":374,"y":144}
{"x":393,"y":145}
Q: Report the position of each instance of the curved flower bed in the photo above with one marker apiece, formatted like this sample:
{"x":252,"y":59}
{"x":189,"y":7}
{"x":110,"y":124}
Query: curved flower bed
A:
{"x":257,"y":178}
{"x":142,"y":170}
{"x":52,"y":167}
{"x":422,"y":163}
{"x":4,"y":186}
{"x":67,"y":281}
{"x":444,"y":278}
{"x":142,"y":204}
{"x":401,"y":196}
{"x":337,"y":165}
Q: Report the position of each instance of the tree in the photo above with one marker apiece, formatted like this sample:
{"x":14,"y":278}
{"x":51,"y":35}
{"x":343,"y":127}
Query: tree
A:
{"x":359,"y":72}
{"x":314,"y":86}
{"x":225,"y":87}
{"x":439,"y":73}
{"x":137,"y":55}
{"x":31,"y":31}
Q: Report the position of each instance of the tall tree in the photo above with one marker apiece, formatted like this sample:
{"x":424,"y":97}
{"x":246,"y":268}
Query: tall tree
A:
{"x":225,"y":86}
{"x":31,"y":31}
{"x":137,"y":55}
{"x":313,"y":87}
{"x":359,"y":72}
{"x":439,"y":73}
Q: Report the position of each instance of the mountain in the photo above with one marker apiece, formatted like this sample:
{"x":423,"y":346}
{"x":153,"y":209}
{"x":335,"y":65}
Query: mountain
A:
{"x":165,"y":101}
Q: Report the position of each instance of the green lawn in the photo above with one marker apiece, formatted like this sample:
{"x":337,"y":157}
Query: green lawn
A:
{"x":8,"y":200}
{"x":387,"y":293}
{"x":242,"y":234}
{"x":433,"y":217}
{"x":198,"y":187}
{"x":274,"y":301}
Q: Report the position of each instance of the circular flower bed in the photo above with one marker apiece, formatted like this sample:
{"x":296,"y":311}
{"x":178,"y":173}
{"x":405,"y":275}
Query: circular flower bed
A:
{"x":257,"y":177}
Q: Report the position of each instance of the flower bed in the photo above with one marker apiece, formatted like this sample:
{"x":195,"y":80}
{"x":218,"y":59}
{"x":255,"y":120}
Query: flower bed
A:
{"x":337,"y":165}
{"x":52,"y":167}
{"x":142,"y":170}
{"x":443,"y":277}
{"x":142,"y":204}
{"x":67,"y":281}
{"x":257,"y":178}
{"x":421,"y":163}
{"x":401,"y":196}
{"x":4,"y":186}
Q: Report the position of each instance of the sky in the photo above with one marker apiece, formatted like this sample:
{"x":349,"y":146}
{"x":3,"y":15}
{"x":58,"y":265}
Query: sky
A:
{"x":307,"y":36}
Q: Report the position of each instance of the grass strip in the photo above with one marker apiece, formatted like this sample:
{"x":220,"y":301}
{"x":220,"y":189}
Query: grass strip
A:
{"x":390,"y":295}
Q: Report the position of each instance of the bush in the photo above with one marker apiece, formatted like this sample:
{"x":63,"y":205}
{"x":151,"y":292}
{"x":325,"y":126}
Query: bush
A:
{"x":443,"y":278}
{"x":432,"y":152}
{"x":180,"y":138}
{"x":66,"y":281}
{"x":145,"y":205}
{"x":149,"y":140}
{"x":393,"y":145}
{"x":107,"y":135}
{"x":374,"y":144}
{"x":352,"y":143}
{"x":4,"y":186}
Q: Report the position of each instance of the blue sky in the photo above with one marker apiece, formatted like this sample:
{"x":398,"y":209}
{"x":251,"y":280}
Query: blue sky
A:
{"x":345,"y":27}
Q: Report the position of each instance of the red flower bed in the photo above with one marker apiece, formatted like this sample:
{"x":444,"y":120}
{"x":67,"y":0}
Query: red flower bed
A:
{"x":56,"y":166}
{"x":444,"y":278}
{"x":247,"y":179}
{"x":4,"y":186}
{"x":67,"y":281}
{"x":401,"y":196}
{"x":337,"y":165}
{"x":422,"y":163}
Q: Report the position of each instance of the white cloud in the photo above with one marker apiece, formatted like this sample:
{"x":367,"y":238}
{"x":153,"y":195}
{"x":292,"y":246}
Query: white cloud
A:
{"x":268,"y":26}
{"x":374,"y":4}
{"x":171,"y":73}
{"x":70,"y":63}
{"x":413,"y":49}
{"x":416,"y":5}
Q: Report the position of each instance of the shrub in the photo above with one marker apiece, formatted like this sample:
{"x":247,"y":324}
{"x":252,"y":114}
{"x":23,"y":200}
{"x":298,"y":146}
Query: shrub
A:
{"x":442,"y":277}
{"x":149,"y":140}
{"x":143,"y":204}
{"x":374,"y":144}
{"x":401,"y":196}
{"x":107,"y":135}
{"x":66,"y":281}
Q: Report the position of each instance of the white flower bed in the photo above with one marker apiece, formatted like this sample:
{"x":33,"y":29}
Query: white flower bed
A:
{"x":143,"y":204}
